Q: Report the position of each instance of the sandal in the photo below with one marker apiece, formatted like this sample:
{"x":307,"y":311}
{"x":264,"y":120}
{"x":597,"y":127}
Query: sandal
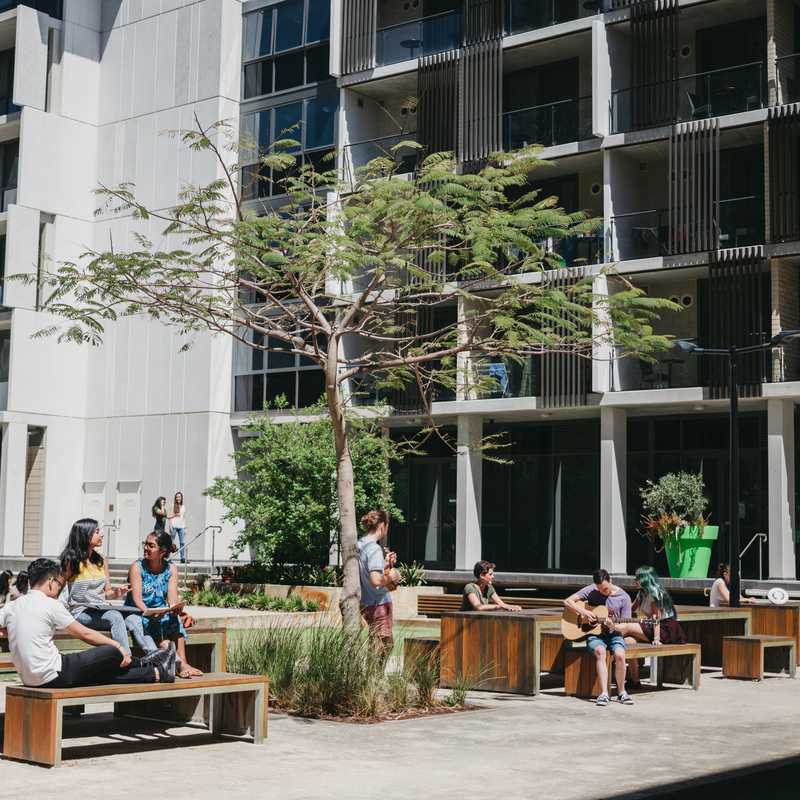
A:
{"x":189,"y":672}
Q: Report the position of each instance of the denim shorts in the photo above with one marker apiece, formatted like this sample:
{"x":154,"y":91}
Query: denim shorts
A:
{"x":611,"y":641}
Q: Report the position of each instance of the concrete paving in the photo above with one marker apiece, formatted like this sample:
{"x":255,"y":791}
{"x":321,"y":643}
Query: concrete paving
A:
{"x":550,"y":746}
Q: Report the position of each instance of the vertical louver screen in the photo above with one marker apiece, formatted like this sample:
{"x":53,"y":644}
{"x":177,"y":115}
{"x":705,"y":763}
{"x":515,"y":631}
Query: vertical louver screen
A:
{"x":735,"y":318}
{"x":481,"y":99}
{"x":694,"y":187}
{"x":483,"y":20}
{"x":409,"y":399}
{"x":359,"y":21}
{"x":565,"y":376}
{"x":783,"y":125}
{"x":654,"y":63}
{"x":437,"y":117}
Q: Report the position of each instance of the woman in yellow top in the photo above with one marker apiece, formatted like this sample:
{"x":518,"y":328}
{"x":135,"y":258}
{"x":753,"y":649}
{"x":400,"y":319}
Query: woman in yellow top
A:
{"x":88,"y":585}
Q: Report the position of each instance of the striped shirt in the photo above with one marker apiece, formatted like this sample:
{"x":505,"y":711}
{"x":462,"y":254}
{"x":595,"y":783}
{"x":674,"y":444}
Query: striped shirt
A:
{"x":87,"y":588}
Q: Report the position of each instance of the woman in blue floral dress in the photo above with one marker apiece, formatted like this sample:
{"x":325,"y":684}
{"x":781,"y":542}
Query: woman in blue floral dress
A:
{"x":154,"y":584}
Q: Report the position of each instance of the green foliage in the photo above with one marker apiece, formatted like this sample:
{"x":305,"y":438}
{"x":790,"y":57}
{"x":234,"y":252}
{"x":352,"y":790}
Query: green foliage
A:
{"x":464,"y":682}
{"x":680,"y":494}
{"x":324,"y":671}
{"x":285,"y":494}
{"x":412,"y":574}
{"x":256,"y":602}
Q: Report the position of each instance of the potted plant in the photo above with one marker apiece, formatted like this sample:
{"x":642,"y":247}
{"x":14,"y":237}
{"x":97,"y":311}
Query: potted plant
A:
{"x":674,"y":508}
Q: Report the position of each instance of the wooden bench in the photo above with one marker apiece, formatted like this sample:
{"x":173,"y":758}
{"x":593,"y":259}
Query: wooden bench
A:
{"x":432,"y":605}
{"x":33,"y":718}
{"x":6,"y":664}
{"x":551,"y":652}
{"x":750,"y":656}
{"x":422,"y":647}
{"x":580,"y":671}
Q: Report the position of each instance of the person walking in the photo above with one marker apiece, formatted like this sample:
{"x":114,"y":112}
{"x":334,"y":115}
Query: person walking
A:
{"x":177,"y":520}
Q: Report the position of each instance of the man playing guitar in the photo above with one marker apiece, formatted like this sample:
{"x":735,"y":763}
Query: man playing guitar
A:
{"x":604,"y":593}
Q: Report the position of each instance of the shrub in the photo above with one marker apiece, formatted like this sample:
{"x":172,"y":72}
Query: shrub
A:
{"x":412,"y":574}
{"x":295,"y":603}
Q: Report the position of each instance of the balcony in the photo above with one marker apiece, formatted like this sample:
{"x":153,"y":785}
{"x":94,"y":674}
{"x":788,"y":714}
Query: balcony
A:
{"x":53,"y":8}
{"x":422,"y":37}
{"x":645,"y":234}
{"x":523,"y":15}
{"x":550,"y":124}
{"x":706,"y":94}
{"x":358,"y":154}
{"x":496,"y":378}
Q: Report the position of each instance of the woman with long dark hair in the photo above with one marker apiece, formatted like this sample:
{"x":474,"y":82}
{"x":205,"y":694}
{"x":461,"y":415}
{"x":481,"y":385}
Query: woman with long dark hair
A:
{"x":177,"y":520}
{"x":154,"y":584}
{"x":5,"y":585}
{"x":20,"y":585}
{"x":160,"y":514}
{"x":88,"y":584}
{"x":654,"y":602}
{"x":720,"y":596}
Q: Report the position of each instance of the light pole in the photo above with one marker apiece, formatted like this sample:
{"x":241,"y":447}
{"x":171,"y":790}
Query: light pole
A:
{"x":733,"y":377}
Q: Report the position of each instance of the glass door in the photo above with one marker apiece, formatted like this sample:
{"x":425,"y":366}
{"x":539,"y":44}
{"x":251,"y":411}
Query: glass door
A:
{"x":433,"y":512}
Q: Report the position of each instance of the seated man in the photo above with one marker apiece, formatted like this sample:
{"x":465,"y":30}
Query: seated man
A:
{"x":30,"y":623}
{"x":603,"y":593}
{"x":481,"y":595}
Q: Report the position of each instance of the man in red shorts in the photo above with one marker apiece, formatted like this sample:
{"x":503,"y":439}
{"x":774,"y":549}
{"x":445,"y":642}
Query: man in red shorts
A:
{"x":377,"y":571}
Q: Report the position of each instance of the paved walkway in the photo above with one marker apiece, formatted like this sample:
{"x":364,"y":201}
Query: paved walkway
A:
{"x":546,"y":747}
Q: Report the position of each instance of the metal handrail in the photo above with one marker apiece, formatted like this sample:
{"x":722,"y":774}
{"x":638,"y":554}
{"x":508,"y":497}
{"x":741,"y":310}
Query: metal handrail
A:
{"x":214,"y":529}
{"x":420,"y":19}
{"x":398,"y":136}
{"x":724,"y":69}
{"x":762,"y":537}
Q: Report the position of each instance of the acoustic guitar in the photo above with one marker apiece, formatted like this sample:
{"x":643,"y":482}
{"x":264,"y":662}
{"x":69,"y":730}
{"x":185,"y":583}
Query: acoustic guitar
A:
{"x":577,"y":628}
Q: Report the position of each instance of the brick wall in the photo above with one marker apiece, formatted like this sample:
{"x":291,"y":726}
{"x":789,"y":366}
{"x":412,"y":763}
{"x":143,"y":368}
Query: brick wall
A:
{"x":780,"y":42}
{"x":785,"y":290}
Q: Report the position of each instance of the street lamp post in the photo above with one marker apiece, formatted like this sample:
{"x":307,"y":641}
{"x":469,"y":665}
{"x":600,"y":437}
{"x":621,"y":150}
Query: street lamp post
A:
{"x":733,"y":378}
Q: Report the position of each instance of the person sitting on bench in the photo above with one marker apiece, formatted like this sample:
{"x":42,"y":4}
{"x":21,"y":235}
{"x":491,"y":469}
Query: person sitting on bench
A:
{"x":720,"y":596}
{"x":481,"y":596}
{"x":30,"y":623}
{"x":603,"y":593}
{"x":653,"y":601}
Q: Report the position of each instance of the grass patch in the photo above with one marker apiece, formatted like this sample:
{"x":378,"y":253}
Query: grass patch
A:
{"x":325,"y":672}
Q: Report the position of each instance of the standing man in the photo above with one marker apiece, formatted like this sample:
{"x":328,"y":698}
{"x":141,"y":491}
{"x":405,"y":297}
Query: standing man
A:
{"x":603,"y":593}
{"x":377,"y":571}
{"x":30,"y":623}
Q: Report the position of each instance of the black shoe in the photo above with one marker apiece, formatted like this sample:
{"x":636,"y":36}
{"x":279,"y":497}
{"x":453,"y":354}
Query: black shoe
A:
{"x":155,"y":657}
{"x":183,"y":561}
{"x":166,"y":669}
{"x":633,"y":685}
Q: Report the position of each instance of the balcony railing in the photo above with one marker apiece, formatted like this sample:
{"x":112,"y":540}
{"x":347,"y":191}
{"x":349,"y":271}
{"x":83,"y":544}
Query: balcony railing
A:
{"x":7,"y":197}
{"x":705,"y":94}
{"x":642,"y":234}
{"x":422,"y":37}
{"x":524,"y":15}
{"x":359,"y":154}
{"x":550,"y":124}
{"x":741,"y":221}
{"x":787,"y":70}
{"x":501,"y":379}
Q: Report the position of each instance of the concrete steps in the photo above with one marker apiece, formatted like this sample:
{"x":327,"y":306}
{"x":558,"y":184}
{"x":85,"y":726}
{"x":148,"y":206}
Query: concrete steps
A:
{"x":120,"y":576}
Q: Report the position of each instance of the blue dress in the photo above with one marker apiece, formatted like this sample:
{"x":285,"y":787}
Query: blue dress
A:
{"x":154,"y":595}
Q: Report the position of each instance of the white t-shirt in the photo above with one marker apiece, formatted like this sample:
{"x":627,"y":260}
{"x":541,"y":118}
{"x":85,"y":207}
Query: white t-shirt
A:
{"x":180,"y":520}
{"x":716,"y":598}
{"x":31,"y":621}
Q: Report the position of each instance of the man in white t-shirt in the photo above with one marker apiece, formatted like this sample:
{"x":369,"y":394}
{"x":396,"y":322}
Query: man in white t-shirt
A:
{"x":32,"y":619}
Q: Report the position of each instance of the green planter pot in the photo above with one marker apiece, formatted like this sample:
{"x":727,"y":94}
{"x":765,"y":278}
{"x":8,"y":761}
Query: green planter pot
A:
{"x":695,"y":553}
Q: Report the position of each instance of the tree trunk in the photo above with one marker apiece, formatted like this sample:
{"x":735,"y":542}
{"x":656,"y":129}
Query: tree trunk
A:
{"x":350,"y":601}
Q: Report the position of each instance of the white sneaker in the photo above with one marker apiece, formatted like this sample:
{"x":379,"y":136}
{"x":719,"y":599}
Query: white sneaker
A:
{"x":625,"y":698}
{"x":604,"y":700}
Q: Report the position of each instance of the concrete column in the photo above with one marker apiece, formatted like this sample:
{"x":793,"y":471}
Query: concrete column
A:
{"x":13,"y":467}
{"x":613,"y":447}
{"x":469,"y":485}
{"x":780,"y":461}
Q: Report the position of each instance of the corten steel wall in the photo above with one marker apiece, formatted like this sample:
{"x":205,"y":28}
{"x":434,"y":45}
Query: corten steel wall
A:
{"x":654,"y":65}
{"x":359,"y":23}
{"x":694,"y":186}
{"x":783,"y":130}
{"x":735,"y":318}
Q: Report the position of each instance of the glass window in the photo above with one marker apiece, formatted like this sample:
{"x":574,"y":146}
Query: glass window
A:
{"x":289,"y":71}
{"x":258,"y":79}
{"x":318,"y":27}
{"x":249,"y":393}
{"x":258,"y":34}
{"x":285,"y":118}
{"x":281,"y":383}
{"x":279,"y":360}
{"x":289,"y":28}
{"x":317,"y":63}
{"x":319,"y":122}
{"x":257,"y":126}
{"x":310,"y":387}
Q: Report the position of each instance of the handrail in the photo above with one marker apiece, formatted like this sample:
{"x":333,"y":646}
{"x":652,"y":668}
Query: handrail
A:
{"x":420,"y":19}
{"x":213,"y":528}
{"x":543,"y":105}
{"x":637,"y":213}
{"x":762,"y":537}
{"x":397,"y":136}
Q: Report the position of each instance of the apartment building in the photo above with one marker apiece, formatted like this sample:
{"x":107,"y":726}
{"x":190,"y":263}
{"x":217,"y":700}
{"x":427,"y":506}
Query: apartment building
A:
{"x":86,"y":87}
{"x":674,"y":121}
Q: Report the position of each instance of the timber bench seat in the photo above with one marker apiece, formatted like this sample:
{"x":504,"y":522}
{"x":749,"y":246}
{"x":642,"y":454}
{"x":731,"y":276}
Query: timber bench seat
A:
{"x":750,"y":656}
{"x":6,"y":664}
{"x":580,"y":672}
{"x":422,"y":649}
{"x":33,"y":718}
{"x":432,"y":605}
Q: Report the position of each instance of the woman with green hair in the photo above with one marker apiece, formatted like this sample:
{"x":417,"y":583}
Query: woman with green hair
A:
{"x":652,"y":601}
